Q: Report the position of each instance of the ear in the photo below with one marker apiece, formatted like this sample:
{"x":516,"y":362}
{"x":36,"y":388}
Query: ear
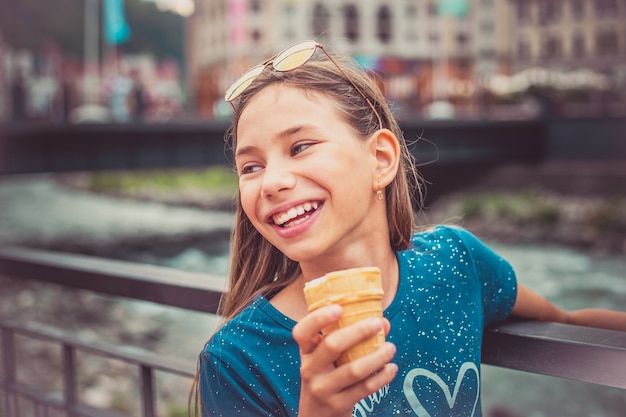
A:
{"x":385,"y":148}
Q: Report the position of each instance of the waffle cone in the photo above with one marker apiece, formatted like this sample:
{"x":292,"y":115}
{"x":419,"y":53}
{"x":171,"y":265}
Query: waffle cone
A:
{"x":359,"y":292}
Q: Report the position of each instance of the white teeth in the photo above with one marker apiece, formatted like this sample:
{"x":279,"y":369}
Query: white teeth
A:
{"x":293,"y":212}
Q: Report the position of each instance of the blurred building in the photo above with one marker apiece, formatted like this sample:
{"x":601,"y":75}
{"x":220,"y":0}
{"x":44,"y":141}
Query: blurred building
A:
{"x":404,"y":41}
{"x":425,"y":53}
{"x":569,"y":34}
{"x":577,"y":47}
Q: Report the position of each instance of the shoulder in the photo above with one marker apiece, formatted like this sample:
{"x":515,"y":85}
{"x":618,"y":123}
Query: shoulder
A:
{"x":444,"y":236}
{"x":454,"y":247}
{"x":253,"y":326}
{"x":230,"y":333}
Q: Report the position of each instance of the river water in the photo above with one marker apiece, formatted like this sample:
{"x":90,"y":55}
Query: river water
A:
{"x":36,"y":209}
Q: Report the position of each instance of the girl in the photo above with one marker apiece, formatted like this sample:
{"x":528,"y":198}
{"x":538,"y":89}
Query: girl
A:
{"x":326,"y":182}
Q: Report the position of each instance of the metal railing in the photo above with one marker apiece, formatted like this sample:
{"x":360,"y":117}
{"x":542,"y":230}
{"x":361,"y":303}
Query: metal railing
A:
{"x":146,"y":363}
{"x":579,"y":353}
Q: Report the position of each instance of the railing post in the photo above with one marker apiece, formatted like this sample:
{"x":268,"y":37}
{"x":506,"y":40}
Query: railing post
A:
{"x":10,"y":372}
{"x":147,"y":387}
{"x":69,"y":379}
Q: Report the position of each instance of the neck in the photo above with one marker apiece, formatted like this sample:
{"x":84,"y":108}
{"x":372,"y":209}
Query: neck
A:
{"x":290,"y":301}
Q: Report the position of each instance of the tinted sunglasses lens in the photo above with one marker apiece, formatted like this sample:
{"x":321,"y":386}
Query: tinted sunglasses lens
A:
{"x":295,"y":56}
{"x":242,"y":83}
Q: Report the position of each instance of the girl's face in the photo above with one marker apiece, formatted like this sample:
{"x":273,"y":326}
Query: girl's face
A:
{"x":306,"y":180}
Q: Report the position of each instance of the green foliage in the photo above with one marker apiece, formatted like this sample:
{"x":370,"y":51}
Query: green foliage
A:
{"x":178,"y":410}
{"x":133,"y":182}
{"x":522,"y":208}
{"x":611,"y":215}
{"x":121,"y":403}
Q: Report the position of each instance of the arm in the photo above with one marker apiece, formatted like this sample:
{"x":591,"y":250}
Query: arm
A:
{"x":531,"y":305}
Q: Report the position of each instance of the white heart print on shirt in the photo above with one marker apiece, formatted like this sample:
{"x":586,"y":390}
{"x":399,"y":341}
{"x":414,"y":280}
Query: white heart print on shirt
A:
{"x":416,"y":405}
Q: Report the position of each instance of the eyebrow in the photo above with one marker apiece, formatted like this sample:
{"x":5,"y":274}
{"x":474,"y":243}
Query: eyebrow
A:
{"x":281,"y":135}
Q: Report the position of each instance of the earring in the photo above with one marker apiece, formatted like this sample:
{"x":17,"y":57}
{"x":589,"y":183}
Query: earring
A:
{"x":379,"y":195}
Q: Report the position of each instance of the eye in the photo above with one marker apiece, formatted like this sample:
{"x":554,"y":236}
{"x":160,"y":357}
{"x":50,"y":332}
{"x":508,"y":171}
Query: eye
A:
{"x":300,"y":147}
{"x":249,"y":169}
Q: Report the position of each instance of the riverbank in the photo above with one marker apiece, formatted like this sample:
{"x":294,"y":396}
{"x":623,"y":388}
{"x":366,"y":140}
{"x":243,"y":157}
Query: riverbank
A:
{"x":540,"y":216}
{"x":579,"y":205}
{"x":575,"y":204}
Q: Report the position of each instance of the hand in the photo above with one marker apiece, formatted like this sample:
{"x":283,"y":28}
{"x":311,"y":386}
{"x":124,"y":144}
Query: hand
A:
{"x":330,"y":391}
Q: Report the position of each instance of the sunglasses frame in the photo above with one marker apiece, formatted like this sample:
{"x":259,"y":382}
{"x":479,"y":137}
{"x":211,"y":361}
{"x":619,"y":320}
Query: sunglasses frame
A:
{"x":235,"y":90}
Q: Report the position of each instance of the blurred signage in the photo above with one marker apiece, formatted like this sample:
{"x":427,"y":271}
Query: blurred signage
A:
{"x":237,"y":16}
{"x":116,"y":29}
{"x":458,"y":8}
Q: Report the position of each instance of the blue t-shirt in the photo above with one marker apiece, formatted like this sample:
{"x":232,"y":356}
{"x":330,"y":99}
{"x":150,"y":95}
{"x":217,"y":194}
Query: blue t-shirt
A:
{"x":451,"y":286}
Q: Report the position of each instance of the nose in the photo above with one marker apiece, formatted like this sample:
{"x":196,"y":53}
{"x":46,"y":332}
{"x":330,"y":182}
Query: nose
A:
{"x":277,"y":177}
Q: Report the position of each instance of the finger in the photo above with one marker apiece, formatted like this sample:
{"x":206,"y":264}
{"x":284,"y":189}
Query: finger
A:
{"x":307,"y":332}
{"x":387,"y":326}
{"x":362,"y":368}
{"x":357,"y":379}
{"x":371,"y":384}
{"x":337,"y":342}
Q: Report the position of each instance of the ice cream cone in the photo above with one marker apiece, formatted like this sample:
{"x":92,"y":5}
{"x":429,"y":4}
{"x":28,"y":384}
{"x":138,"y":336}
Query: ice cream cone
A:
{"x":359,"y":291}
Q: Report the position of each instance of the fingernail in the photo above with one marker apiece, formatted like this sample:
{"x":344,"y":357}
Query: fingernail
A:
{"x":376,"y":324}
{"x":393,"y":368}
{"x":335,"y":310}
{"x":391,"y":348}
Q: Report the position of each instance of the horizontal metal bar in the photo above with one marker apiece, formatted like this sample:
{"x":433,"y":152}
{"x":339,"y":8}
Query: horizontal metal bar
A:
{"x":192,"y":291}
{"x":129,"y":354}
{"x":573,"y":352}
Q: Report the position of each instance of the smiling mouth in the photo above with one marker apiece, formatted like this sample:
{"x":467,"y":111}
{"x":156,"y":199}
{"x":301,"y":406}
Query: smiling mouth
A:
{"x":295,"y":215}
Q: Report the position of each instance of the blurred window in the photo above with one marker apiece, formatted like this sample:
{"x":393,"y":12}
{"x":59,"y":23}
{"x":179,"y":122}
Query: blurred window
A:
{"x":255,"y":6}
{"x":606,"y":8}
{"x":462,"y":39}
{"x":351,"y":15}
{"x":523,"y":50}
{"x":552,"y":47}
{"x":550,"y":11}
{"x":384,"y":24}
{"x":578,"y":8}
{"x":523,"y":11}
{"x":256,"y":35}
{"x":607,"y":43}
{"x":410,"y":13}
{"x":578,"y":46}
{"x":321,"y":19}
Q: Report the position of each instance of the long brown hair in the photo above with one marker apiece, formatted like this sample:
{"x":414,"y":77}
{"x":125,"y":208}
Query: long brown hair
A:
{"x":257,"y":267}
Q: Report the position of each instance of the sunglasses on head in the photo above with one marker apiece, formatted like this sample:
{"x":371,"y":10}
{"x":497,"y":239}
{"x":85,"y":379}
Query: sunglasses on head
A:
{"x":288,"y":60}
